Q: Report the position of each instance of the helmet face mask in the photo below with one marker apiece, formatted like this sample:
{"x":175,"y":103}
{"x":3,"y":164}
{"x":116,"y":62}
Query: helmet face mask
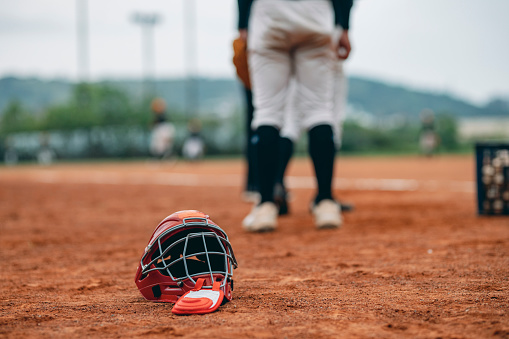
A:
{"x":186,"y":246}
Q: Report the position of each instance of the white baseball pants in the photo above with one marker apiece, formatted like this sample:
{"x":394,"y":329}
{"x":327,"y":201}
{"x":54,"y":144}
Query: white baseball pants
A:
{"x":291,"y":39}
{"x":292,"y":127}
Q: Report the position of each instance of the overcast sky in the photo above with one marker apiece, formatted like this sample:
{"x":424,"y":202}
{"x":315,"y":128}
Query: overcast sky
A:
{"x":456,"y":46}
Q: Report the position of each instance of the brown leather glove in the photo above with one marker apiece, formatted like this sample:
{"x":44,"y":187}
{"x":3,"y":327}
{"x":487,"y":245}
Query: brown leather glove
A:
{"x":240,"y":61}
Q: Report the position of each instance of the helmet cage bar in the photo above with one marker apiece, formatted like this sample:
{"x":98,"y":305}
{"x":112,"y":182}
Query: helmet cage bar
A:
{"x":230,"y":267}
{"x":208,"y":258}
{"x":184,"y":256}
{"x":227,"y":252}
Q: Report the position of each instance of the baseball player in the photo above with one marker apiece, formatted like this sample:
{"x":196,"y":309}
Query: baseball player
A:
{"x":294,"y":39}
{"x":292,"y":129}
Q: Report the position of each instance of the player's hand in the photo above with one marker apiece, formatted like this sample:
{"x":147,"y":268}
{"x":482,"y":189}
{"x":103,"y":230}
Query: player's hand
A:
{"x":243,"y":34}
{"x":344,"y":47}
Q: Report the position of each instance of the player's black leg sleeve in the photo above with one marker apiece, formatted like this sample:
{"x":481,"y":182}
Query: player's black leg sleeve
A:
{"x":285,"y":154}
{"x":252,"y":177}
{"x":252,"y":163}
{"x":322,"y":151}
{"x":268,"y":155}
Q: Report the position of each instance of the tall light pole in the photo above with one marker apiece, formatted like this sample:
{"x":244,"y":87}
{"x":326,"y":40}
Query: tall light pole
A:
{"x":147,"y":23}
{"x":190,"y":57}
{"x":82,"y":40}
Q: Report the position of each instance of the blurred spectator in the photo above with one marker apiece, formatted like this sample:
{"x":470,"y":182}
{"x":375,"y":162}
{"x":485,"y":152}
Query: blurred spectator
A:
{"x":428,"y":140}
{"x":163,"y":132}
{"x":194,"y":147}
{"x":10,"y":154}
{"x":46,"y":155}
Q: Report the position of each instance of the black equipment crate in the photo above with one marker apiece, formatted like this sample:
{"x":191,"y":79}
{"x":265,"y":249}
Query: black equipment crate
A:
{"x":492,"y":165}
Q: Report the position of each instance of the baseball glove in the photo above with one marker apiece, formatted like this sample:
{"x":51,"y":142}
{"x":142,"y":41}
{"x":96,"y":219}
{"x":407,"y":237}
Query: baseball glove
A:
{"x":240,"y":61}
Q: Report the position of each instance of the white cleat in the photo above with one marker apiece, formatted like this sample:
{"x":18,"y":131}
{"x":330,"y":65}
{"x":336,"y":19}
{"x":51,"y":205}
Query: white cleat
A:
{"x":263,"y":218}
{"x":327,"y":214}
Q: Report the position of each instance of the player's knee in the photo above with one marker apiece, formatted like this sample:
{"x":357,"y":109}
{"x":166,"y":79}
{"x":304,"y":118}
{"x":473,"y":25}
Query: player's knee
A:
{"x":322,"y":135}
{"x":267,"y":136}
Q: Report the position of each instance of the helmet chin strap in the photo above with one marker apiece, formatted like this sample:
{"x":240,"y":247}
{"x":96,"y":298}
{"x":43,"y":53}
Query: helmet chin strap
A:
{"x":199,"y":300}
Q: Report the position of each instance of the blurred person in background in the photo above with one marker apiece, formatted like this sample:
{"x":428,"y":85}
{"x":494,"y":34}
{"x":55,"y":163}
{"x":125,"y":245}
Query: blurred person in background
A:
{"x":294,"y":40}
{"x":194,"y":146}
{"x":10,"y":153}
{"x":428,"y":140}
{"x":163,"y":132}
{"x":45,"y":155}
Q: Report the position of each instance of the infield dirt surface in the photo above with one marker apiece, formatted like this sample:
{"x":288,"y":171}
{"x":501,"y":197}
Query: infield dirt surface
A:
{"x":412,"y":260}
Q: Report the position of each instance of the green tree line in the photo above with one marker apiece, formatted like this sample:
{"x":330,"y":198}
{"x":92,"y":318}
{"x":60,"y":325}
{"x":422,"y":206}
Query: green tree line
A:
{"x":404,"y":139}
{"x":104,"y":105}
{"x":90,"y":105}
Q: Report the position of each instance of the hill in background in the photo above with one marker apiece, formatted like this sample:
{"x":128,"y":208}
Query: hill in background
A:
{"x":222,"y":96}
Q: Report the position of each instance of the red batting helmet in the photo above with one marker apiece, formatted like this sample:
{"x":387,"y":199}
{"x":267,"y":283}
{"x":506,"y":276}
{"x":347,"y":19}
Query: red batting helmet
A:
{"x":185,"y":246}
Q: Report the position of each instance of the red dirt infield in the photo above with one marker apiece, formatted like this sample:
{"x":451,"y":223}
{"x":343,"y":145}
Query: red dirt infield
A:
{"x":412,"y":260}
